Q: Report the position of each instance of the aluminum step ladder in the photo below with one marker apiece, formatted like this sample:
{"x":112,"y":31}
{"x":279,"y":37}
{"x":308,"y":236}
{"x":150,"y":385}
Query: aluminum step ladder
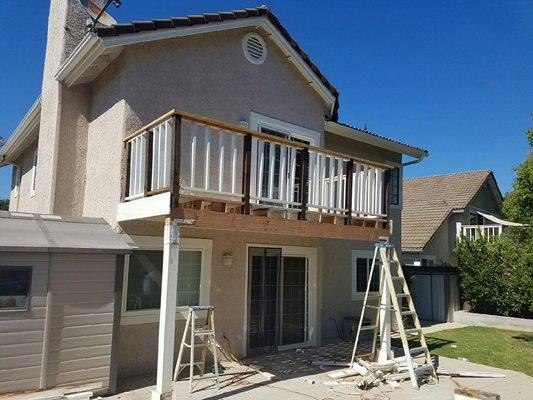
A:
{"x":206,"y":335}
{"x":392,"y":273}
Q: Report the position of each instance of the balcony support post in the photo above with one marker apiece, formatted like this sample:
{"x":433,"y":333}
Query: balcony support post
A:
{"x":247,"y":172}
{"x":304,"y":184}
{"x":126,"y":165}
{"x":349,"y":190}
{"x":175,"y":166}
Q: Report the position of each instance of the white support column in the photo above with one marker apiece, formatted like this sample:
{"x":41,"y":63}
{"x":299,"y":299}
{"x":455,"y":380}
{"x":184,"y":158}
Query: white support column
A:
{"x":167,"y":316}
{"x":385,"y":352}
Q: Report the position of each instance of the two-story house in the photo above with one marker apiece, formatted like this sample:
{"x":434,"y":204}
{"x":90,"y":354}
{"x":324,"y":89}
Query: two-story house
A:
{"x":220,"y":128}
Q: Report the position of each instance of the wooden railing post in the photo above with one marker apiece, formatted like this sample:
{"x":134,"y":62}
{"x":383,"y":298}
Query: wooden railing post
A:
{"x":387,"y":183}
{"x":126,"y":165}
{"x":148,"y":158}
{"x":349,"y":189}
{"x":175,"y":159}
{"x":304,"y":184}
{"x":247,"y":172}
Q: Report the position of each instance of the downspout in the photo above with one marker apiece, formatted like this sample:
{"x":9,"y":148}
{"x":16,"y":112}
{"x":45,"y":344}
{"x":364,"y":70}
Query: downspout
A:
{"x":415,"y":161}
{"x":56,"y":146}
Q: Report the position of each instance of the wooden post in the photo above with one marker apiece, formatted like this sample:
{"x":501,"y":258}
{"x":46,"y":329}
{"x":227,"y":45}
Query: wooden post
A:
{"x":167,"y":314}
{"x":385,"y":350}
{"x":148,"y":158}
{"x":175,"y":158}
{"x":247,"y":172}
{"x":126,"y":165}
{"x":387,"y":183}
{"x":304,"y":185}
{"x":349,"y":189}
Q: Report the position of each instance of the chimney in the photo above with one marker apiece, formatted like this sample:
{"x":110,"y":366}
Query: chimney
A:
{"x":66,"y":29}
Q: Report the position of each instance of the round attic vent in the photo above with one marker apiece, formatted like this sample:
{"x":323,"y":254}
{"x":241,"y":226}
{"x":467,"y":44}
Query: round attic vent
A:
{"x":254,"y":48}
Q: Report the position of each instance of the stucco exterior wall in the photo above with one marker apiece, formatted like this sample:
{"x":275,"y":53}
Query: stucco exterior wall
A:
{"x":24,"y":201}
{"x":138,"y":343}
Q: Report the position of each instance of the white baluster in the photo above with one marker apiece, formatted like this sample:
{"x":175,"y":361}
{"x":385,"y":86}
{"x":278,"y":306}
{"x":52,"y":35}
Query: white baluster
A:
{"x":233,"y":162}
{"x":221,"y":150}
{"x":339,"y":183}
{"x":261,"y":156}
{"x":168,"y":148}
{"x":207,"y":156}
{"x":290,"y":193}
{"x":331,"y":183}
{"x":283,"y":173}
{"x":253,"y":174}
{"x":272,"y":153}
{"x":194,"y":136}
{"x":323,"y":192}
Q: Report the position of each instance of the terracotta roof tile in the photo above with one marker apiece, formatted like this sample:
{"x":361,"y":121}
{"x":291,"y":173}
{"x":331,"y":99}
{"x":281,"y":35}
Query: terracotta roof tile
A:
{"x":209,"y":18}
{"x":429,"y":200}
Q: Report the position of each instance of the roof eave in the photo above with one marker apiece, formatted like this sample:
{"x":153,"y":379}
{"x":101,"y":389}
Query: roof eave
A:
{"x":21,"y":136}
{"x":95,"y":53}
{"x":356,"y":134}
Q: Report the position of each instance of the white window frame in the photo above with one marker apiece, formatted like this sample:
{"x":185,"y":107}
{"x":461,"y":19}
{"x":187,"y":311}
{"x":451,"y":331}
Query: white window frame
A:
{"x":33,"y":173}
{"x":18,"y":175}
{"x":258,"y":121}
{"x":355,"y":255}
{"x":205,"y":246}
{"x":398,"y":206}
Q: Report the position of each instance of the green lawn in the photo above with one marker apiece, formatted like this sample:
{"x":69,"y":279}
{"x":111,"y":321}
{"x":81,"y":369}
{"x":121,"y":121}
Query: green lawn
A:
{"x":490,"y":346}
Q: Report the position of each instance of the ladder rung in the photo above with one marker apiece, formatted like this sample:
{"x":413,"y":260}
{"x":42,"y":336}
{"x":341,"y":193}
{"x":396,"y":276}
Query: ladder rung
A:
{"x":410,"y":312}
{"x":416,"y":350}
{"x":203,"y":332}
{"x":413,"y":331}
{"x":194,"y":363}
{"x":397,"y":278}
{"x":368,"y":327}
{"x":379,"y":307}
{"x":196,"y":345}
{"x":374,"y":296}
{"x":402,"y":295}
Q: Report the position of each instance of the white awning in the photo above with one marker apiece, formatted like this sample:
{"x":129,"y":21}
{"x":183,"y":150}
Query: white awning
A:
{"x":498,"y":220}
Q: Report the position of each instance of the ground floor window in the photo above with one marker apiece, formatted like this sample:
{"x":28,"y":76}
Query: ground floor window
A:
{"x":361,"y":265}
{"x":15,"y":288}
{"x":144,"y":279}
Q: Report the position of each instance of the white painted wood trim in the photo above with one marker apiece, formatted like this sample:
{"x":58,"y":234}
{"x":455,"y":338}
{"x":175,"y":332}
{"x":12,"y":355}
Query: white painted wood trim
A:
{"x":356,"y":296}
{"x":144,"y":207}
{"x":257,"y":121}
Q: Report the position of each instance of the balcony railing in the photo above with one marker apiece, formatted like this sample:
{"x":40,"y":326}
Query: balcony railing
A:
{"x":196,"y":157}
{"x":473,"y":232}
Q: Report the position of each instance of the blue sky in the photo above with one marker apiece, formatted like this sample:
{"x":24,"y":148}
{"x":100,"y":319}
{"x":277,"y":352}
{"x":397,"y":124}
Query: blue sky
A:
{"x":453,"y":77}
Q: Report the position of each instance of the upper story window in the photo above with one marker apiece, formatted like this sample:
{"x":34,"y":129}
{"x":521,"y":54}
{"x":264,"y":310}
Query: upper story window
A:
{"x":395,"y":186}
{"x":15,"y":288}
{"x":475,"y":218}
{"x":33,"y":173}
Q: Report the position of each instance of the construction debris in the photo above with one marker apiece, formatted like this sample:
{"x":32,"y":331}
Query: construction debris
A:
{"x":473,"y":394}
{"x":468,"y":374}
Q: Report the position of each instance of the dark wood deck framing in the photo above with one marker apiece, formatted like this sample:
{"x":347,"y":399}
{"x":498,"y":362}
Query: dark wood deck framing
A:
{"x":221,"y":213}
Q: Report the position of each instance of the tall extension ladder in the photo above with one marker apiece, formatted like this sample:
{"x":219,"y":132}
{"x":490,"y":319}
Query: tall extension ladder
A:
{"x":206,"y":333}
{"x":391,"y":273}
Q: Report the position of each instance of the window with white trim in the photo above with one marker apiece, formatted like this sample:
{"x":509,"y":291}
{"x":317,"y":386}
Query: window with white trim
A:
{"x":361,"y":265}
{"x":15,"y":285}
{"x":395,"y":186}
{"x":33,"y":173}
{"x":144,"y":279}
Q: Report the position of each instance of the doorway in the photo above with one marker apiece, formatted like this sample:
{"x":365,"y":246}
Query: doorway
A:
{"x":278,"y":300}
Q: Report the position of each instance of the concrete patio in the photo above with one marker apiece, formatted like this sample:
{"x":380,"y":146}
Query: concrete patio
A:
{"x":296,"y":379}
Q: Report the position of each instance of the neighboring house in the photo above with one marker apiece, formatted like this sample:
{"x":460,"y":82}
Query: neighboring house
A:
{"x":287,"y":201}
{"x":434,"y":205}
{"x":436,"y":210}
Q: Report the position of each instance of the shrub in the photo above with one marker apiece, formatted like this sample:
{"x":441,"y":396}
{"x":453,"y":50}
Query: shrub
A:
{"x":497,"y":276}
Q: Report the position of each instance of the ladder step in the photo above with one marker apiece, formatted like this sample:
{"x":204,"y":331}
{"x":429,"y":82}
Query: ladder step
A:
{"x":413,"y":331}
{"x":402,"y":295}
{"x":368,"y":327}
{"x":397,"y":278}
{"x":194,"y":363}
{"x":417,"y":350}
{"x":410,"y":312}
{"x":379,"y":307}
{"x":203,"y":332}
{"x":196,"y":345}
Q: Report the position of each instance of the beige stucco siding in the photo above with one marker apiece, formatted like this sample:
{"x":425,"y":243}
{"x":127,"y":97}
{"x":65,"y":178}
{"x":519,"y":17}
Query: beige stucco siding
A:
{"x":24,"y":201}
{"x":82,"y":318}
{"x":21,"y":332}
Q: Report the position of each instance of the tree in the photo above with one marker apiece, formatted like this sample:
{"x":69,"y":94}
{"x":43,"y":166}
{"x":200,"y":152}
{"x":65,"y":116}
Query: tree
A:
{"x":518,"y":204}
{"x":4,"y":204}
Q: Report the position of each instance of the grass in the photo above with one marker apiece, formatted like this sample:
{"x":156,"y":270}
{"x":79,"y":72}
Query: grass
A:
{"x":489,"y":346}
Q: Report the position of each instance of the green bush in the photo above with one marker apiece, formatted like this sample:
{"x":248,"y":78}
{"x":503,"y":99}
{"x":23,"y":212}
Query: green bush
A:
{"x":497,"y":276}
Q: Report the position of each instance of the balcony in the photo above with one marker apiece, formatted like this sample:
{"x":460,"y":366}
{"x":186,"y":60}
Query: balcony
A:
{"x":225,"y":176}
